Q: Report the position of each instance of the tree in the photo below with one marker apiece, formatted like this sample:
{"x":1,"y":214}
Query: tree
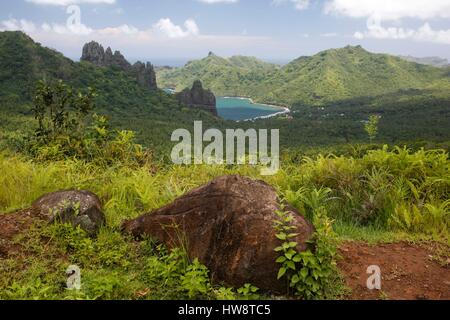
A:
{"x":68,"y":128}
{"x":60,"y":110}
{"x":371,"y":127}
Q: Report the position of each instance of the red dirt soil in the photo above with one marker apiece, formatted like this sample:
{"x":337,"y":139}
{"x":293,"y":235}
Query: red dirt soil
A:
{"x":409,"y":272}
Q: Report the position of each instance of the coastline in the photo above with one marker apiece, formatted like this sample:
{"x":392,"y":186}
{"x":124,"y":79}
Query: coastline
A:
{"x":283,"y":110}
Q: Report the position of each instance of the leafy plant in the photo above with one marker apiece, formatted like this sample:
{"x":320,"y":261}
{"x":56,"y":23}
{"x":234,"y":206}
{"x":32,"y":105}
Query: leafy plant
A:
{"x":428,"y":218}
{"x":67,"y":128}
{"x":60,"y":111}
{"x":311,"y":273}
{"x":248,"y":292}
{"x":195,"y":280}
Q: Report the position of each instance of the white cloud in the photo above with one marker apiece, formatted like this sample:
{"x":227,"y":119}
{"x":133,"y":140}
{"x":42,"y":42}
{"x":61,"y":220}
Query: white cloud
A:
{"x":298,"y":4}
{"x":164,"y":28}
{"x":75,"y":29}
{"x":70,"y":2}
{"x":425,"y":33}
{"x":167,"y":28}
{"x":124,"y":29}
{"x":163,"y":39}
{"x":17,"y":25}
{"x":381,"y":12}
{"x":218,"y":1}
{"x":389,"y":10}
{"x":358,"y":35}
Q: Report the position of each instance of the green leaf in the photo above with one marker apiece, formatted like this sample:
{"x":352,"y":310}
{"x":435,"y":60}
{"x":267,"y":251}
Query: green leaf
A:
{"x":291,"y":265}
{"x":295,"y":279}
{"x":281,"y":273}
{"x":278,"y":249}
{"x":281,"y":260}
{"x":281,"y":236}
{"x":304,"y":273}
{"x":290,"y":254}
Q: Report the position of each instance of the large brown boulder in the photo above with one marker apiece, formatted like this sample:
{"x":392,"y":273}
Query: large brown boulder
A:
{"x":79,"y":208}
{"x":228,"y":225}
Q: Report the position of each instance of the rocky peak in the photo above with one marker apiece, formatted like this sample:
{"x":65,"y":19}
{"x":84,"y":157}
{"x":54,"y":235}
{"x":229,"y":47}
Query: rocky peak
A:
{"x":197,"y":86}
{"x":145,"y":74}
{"x":108,"y":57}
{"x":120,"y":61}
{"x":197,"y":97}
{"x":94,"y":53}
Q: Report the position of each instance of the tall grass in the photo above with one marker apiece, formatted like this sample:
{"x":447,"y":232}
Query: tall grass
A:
{"x":382,"y":188}
{"x":378,"y":196}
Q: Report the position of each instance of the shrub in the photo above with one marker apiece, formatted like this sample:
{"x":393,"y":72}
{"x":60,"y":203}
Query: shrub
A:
{"x":68,"y":128}
{"x":312,"y":274}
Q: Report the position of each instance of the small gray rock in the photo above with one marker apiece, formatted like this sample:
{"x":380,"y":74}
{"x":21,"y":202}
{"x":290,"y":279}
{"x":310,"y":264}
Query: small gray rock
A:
{"x":79,"y":208}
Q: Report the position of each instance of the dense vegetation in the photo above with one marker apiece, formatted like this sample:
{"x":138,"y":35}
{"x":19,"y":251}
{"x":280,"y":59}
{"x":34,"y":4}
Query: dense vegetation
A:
{"x":407,"y":116}
{"x":52,"y":139}
{"x":153,"y":115}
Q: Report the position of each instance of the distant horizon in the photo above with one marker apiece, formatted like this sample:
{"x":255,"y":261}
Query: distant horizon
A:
{"x":181,"y":61}
{"x":272,"y":30}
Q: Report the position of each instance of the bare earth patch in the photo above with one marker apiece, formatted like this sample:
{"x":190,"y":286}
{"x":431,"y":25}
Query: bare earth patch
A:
{"x":409,"y":272}
{"x":11,"y":225}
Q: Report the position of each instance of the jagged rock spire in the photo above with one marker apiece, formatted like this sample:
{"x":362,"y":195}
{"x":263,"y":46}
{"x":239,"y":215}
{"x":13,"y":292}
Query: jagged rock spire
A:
{"x":94,"y":53}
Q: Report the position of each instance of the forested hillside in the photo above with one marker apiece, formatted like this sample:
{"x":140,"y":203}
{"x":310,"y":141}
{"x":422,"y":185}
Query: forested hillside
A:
{"x":329,"y":76}
{"x":23,"y":62}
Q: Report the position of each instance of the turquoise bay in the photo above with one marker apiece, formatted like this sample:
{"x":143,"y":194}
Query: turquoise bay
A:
{"x":240,"y":109}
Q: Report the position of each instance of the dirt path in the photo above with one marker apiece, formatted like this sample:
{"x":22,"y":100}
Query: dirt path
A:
{"x":409,"y":272}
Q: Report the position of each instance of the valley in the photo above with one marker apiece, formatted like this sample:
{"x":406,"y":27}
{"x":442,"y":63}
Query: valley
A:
{"x":363,"y":176}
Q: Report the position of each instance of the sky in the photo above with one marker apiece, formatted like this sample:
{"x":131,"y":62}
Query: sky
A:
{"x":162,"y":31}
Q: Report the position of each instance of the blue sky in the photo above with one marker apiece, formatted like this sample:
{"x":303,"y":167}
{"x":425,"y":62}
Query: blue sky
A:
{"x":270,"y":29}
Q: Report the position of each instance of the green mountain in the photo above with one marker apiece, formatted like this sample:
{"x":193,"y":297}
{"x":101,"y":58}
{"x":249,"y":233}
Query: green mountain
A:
{"x":329,"y":76}
{"x":23,"y":62}
{"x":224,"y":76}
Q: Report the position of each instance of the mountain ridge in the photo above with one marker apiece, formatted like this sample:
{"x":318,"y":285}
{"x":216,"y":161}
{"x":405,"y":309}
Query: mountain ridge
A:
{"x":330,"y":75}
